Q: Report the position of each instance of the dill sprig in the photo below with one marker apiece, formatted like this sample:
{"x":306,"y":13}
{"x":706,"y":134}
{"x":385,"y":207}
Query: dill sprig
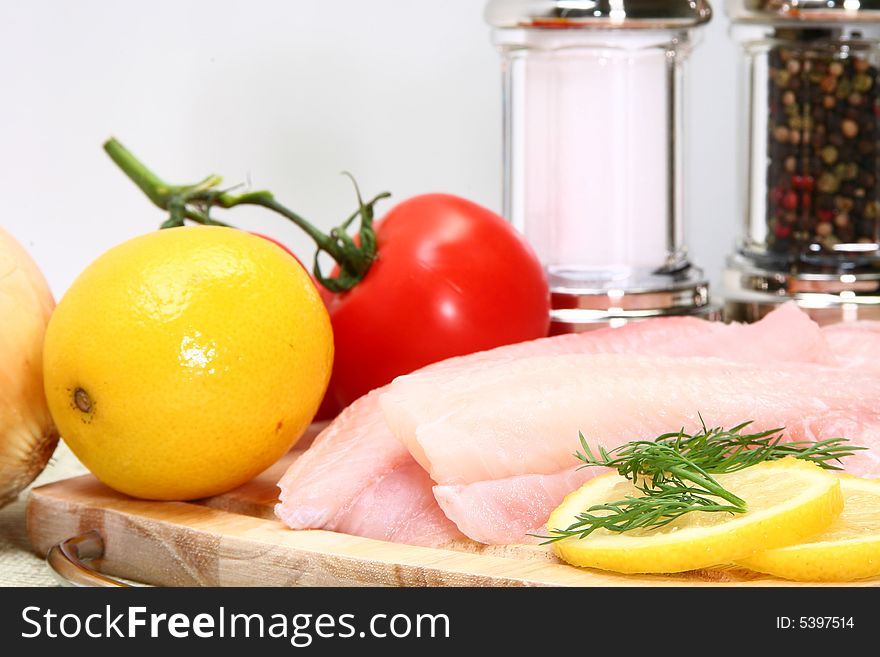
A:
{"x":674,"y":474}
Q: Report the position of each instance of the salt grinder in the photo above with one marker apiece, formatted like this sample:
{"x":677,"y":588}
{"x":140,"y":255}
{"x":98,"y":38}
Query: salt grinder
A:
{"x":811,"y":198}
{"x":593,"y":170}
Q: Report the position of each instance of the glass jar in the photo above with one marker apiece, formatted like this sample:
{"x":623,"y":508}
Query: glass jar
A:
{"x":811,"y":217}
{"x":593,"y":172}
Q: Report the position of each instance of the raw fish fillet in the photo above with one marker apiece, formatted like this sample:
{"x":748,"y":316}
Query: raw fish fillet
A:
{"x":787,"y":334}
{"x":356,"y":478}
{"x":357,"y":452}
{"x":855,"y":344}
{"x":354,"y":456}
{"x":525,"y":418}
{"x":508,"y":510}
{"x":353,"y":452}
{"x":399,"y":507}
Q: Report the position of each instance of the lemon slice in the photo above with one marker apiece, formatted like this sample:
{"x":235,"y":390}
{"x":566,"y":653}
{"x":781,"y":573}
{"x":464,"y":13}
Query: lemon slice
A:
{"x":789,"y":500}
{"x":849,"y":549}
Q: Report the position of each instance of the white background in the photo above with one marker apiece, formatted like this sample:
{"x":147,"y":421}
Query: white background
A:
{"x":284,"y":94}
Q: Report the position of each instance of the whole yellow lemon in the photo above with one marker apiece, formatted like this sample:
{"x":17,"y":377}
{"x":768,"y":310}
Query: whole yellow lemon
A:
{"x":183,"y":362}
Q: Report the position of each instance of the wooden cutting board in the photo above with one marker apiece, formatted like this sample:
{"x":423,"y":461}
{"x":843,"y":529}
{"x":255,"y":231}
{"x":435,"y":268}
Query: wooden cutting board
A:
{"x":235,"y":540}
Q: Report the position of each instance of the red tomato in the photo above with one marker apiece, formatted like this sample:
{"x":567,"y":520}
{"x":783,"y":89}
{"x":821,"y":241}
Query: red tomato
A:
{"x":450,"y":278}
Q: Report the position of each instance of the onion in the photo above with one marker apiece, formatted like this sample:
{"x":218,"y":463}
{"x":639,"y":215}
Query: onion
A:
{"x":27,"y":434}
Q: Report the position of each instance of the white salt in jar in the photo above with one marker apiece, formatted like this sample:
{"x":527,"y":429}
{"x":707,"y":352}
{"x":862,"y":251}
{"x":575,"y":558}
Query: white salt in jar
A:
{"x":593,"y":152}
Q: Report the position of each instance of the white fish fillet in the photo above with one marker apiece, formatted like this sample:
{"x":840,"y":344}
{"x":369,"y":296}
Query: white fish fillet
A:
{"x":513,"y":509}
{"x":526,"y":419}
{"x":353,"y":458}
{"x":399,"y":507}
{"x":357,"y":451}
{"x":855,"y":344}
{"x":508,"y":510}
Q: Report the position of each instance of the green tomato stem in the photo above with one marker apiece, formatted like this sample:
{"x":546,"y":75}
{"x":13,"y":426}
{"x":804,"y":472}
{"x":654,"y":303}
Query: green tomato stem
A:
{"x":148,"y":182}
{"x":194,"y":202}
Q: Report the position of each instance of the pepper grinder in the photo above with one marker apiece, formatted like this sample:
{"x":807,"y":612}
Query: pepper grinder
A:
{"x":593,"y":171}
{"x":811,"y":212}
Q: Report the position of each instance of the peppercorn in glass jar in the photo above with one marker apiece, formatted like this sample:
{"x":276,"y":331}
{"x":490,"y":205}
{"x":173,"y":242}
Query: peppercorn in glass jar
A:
{"x":810,"y":131}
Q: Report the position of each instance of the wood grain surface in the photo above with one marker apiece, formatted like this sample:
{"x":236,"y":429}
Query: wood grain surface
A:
{"x":235,"y":540}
